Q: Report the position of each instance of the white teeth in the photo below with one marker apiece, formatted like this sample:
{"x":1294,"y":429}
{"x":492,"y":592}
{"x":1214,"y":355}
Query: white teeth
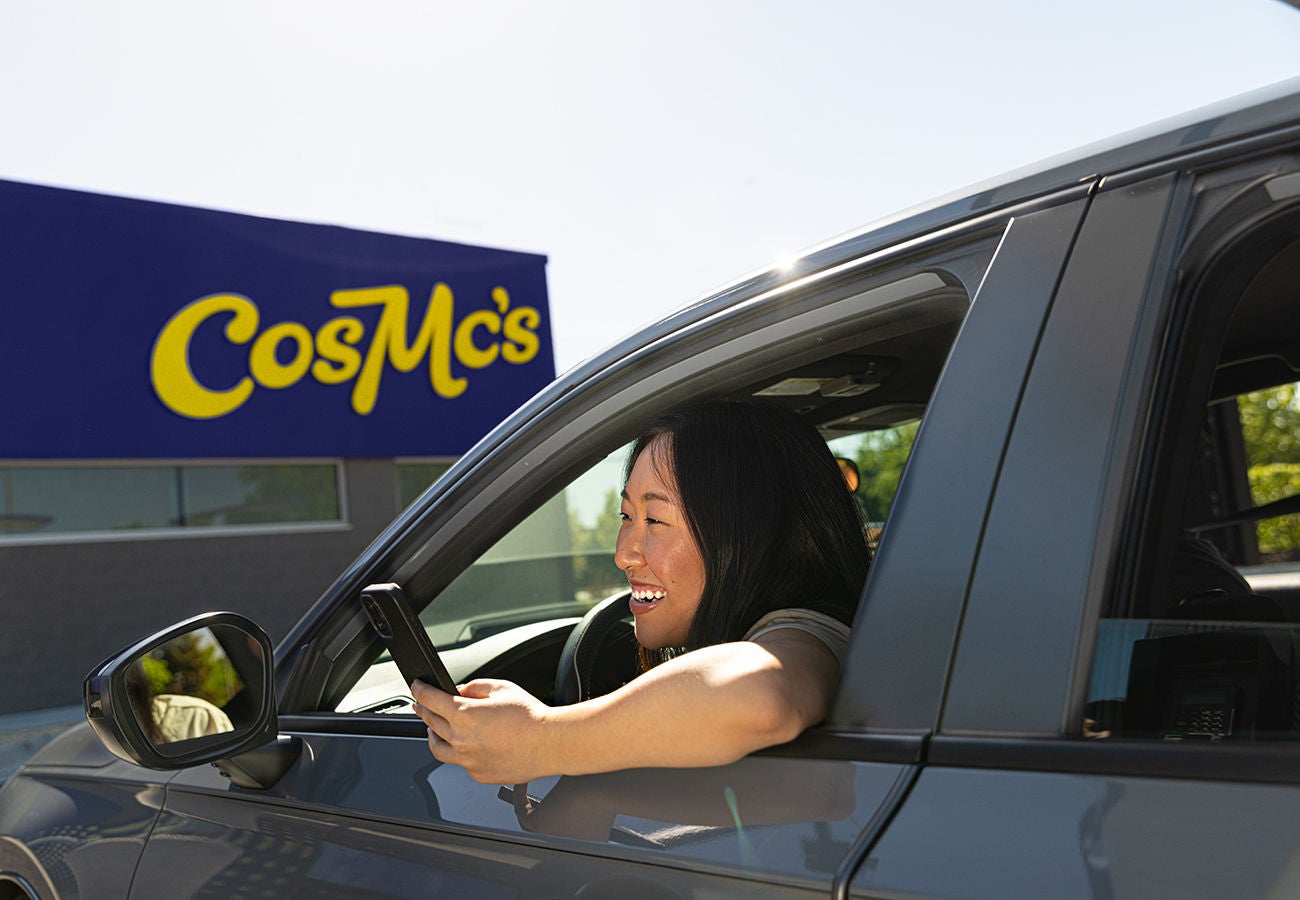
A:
{"x":648,"y":595}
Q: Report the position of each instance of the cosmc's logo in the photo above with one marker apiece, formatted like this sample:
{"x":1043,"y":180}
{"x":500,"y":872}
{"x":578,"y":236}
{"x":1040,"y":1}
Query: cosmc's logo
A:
{"x":339,"y":351}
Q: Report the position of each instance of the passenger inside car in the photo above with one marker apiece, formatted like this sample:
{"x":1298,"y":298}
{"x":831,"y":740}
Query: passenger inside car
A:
{"x":745,"y":558}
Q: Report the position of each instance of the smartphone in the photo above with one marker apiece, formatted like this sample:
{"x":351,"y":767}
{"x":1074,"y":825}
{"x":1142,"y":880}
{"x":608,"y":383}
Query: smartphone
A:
{"x":397,"y":625}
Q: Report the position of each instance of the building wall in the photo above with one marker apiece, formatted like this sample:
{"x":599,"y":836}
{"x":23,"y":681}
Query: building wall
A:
{"x":68,"y":606}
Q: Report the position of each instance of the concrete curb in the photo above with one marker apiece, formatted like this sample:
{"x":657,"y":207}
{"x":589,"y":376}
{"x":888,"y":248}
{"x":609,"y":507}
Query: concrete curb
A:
{"x":22,"y":734}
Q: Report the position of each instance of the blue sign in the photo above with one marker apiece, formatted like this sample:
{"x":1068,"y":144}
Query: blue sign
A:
{"x":133,"y":329}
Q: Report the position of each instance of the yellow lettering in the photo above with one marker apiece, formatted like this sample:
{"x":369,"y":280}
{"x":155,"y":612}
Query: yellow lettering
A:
{"x":173,"y":379}
{"x":466,"y":350}
{"x":501,"y":297}
{"x":336,"y":343}
{"x":267,"y":369}
{"x":389,"y":343}
{"x":521,"y":335}
{"x":334,"y":354}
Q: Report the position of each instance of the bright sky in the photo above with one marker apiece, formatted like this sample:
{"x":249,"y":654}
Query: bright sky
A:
{"x":653,"y":150}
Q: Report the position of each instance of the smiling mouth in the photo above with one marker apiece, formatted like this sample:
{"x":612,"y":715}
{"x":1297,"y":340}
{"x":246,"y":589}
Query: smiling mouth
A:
{"x":648,"y":595}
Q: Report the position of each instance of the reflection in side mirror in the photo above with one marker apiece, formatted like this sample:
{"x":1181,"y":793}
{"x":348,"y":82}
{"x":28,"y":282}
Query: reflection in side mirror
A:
{"x":193,"y":693}
{"x":179,"y":689}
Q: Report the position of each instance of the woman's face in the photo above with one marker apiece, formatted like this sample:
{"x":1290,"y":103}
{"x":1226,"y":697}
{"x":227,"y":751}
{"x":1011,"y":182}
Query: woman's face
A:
{"x":656,"y":550}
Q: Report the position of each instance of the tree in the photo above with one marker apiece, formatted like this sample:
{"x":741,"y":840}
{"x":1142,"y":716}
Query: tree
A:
{"x":192,"y":665}
{"x":880,"y":462}
{"x":1270,"y":429}
{"x":1279,"y":538}
{"x":1270,"y":425}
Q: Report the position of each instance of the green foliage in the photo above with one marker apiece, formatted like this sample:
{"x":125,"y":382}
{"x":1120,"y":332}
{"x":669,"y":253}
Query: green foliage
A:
{"x":880,"y":463}
{"x":157,"y":673}
{"x":1279,"y":538}
{"x":192,"y":665}
{"x":1270,"y":427}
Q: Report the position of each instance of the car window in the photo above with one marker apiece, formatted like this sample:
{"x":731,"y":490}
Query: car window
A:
{"x":550,"y":569}
{"x":878,"y":458}
{"x":1205,"y":646}
{"x":558,"y":563}
{"x":506,"y":609}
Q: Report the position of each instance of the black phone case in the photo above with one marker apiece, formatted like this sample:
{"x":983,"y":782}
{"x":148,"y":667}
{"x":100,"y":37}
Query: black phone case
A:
{"x":390,"y":615}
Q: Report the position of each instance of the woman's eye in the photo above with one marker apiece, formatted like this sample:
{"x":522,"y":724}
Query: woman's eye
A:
{"x":624,"y":516}
{"x":650,"y":521}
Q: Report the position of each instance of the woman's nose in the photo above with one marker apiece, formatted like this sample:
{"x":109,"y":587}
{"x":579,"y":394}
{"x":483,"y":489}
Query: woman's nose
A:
{"x":627,"y":549}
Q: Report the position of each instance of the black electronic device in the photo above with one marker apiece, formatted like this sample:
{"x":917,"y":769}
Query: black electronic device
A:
{"x":400,"y":629}
{"x":1213,"y":685}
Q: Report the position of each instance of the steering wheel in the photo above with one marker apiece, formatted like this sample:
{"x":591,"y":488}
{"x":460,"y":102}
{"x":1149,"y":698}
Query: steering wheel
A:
{"x":600,"y":654}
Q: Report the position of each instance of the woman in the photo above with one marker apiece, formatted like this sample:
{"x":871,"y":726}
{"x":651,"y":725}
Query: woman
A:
{"x":745,"y":557}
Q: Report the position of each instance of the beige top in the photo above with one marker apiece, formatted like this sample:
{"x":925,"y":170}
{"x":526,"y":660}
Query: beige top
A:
{"x":830,"y":631}
{"x":181,"y":717}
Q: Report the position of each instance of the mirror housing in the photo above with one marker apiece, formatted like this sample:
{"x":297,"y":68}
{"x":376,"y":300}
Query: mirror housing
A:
{"x":197,"y":692}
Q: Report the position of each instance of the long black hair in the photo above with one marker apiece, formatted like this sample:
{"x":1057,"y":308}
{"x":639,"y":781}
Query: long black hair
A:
{"x":768,"y":509}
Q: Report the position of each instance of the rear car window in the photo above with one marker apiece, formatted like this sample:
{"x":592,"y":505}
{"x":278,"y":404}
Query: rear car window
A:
{"x":1206,"y":647}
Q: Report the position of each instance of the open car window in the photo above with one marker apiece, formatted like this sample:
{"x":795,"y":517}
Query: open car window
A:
{"x":499,"y":595}
{"x":535,"y":583}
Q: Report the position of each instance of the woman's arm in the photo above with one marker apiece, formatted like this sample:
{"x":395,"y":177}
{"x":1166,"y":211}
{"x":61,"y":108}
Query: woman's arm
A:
{"x":708,"y":707}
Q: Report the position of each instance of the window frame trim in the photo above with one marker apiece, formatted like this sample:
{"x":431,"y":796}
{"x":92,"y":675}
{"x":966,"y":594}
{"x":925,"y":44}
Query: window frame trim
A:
{"x":1260,"y":762}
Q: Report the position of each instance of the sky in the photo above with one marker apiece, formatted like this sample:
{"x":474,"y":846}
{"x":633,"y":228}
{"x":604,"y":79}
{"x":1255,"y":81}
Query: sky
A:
{"x":653,"y":151}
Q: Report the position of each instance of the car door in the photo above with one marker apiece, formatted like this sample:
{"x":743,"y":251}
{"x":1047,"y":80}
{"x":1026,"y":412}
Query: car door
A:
{"x":1094,"y":739}
{"x":366,"y":810}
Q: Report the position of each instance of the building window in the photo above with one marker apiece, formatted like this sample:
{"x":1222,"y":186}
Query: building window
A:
{"x":37,"y":500}
{"x":413,"y":477}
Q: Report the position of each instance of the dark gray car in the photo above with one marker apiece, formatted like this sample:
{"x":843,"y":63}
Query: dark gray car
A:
{"x":1073,"y":671}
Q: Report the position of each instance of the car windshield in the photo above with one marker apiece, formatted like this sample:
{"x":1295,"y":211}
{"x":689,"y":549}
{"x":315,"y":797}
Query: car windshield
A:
{"x":558,"y":562}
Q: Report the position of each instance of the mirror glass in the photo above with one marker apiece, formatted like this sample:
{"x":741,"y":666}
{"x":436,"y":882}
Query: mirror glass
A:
{"x":201,"y":683}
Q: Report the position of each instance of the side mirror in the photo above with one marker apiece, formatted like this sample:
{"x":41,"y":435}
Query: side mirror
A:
{"x":849,"y":469}
{"x":197,"y":692}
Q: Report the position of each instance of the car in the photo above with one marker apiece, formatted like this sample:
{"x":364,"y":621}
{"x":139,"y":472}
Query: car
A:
{"x":1070,"y":395}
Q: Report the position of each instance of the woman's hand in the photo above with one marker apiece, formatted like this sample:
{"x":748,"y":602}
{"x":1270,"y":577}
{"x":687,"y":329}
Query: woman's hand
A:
{"x":494,"y":729}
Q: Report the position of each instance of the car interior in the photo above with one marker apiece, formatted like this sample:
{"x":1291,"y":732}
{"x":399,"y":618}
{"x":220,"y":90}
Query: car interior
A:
{"x":1206,"y":644}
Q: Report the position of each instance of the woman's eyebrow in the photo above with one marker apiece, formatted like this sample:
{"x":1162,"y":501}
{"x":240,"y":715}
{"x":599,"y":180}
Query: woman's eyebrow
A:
{"x":648,"y":495}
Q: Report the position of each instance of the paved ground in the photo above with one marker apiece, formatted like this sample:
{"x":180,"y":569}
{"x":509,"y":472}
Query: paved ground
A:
{"x":22,"y":734}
